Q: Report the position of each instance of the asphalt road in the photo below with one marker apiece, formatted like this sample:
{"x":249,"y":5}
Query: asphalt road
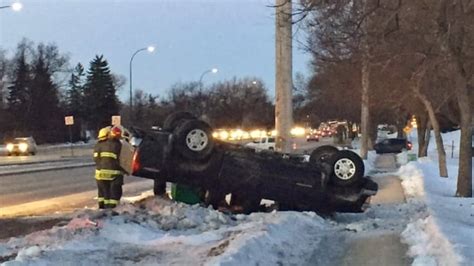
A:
{"x":18,"y":189}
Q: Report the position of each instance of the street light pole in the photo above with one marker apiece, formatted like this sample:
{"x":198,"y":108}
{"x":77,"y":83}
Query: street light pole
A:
{"x":213,"y":70}
{"x":149,"y":49}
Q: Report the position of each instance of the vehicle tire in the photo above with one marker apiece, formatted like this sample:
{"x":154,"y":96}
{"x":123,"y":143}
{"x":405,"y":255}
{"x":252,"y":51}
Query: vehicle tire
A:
{"x":194,"y":139}
{"x":174,"y":119}
{"x":347,"y":168}
{"x":322,"y":154}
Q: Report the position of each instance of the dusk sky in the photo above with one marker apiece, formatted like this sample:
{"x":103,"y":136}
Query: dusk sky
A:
{"x":191,"y":36}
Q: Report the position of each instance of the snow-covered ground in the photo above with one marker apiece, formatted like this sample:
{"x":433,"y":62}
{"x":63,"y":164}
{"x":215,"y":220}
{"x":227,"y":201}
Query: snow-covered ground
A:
{"x":158,"y":231}
{"x":446,"y":235}
{"x":438,"y":228}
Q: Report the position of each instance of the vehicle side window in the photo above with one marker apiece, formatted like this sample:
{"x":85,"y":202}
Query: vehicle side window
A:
{"x":271,"y":140}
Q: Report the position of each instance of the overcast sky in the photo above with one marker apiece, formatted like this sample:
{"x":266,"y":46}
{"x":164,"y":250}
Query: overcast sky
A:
{"x":191,"y":36}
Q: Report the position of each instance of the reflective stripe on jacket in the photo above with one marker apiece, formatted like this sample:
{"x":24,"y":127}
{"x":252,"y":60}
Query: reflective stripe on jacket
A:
{"x":106,"y":157}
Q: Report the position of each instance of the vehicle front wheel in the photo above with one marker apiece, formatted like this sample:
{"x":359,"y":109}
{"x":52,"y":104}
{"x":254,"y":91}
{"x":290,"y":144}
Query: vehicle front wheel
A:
{"x":322,"y":154}
{"x":347,"y":168}
{"x":194,"y":139}
{"x":174,"y":119}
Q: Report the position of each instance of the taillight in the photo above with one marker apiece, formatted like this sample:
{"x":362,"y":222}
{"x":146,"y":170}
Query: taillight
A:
{"x":409,"y":145}
{"x":135,"y":162}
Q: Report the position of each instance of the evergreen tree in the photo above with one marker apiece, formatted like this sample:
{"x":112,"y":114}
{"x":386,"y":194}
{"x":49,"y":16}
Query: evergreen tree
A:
{"x":44,"y":115}
{"x":100,"y":97}
{"x":18,"y":92}
{"x":75,"y":94}
{"x":4,"y":65}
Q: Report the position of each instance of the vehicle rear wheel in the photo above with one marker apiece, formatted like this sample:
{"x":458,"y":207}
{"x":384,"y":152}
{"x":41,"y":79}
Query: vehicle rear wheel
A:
{"x":194,"y":139}
{"x":174,"y":119}
{"x":347,"y":168}
{"x":322,"y":154}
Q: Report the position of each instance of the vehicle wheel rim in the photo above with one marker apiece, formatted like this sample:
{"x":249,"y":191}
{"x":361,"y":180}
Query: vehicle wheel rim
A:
{"x":344,"y":169}
{"x":197,"y":140}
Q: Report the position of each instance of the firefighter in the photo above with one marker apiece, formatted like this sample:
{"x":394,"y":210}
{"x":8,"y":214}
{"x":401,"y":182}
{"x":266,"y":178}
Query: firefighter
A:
{"x":108,"y":173}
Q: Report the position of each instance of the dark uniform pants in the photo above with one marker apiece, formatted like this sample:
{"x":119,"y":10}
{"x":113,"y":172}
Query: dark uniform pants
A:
{"x":109,"y":192}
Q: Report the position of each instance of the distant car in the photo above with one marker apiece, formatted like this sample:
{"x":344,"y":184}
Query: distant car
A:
{"x":312,"y":137}
{"x":265,"y":143}
{"x":22,"y":146}
{"x":394,"y":145}
{"x":327,"y":133}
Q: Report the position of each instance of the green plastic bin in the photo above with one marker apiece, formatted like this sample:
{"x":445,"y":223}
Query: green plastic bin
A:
{"x":411,"y":157}
{"x":186,"y":194}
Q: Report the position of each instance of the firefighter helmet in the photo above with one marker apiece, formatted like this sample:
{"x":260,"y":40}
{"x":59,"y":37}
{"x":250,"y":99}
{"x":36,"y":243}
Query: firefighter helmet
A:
{"x":103,"y":133}
{"x":116,"y":132}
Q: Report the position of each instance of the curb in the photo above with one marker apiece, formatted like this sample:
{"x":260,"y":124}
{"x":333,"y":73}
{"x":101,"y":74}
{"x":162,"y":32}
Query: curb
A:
{"x":45,"y":169}
{"x":34,"y":162}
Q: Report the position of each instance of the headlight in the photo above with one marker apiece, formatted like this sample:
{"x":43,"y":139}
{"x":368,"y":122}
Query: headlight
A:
{"x":23,"y":147}
{"x":10,"y":147}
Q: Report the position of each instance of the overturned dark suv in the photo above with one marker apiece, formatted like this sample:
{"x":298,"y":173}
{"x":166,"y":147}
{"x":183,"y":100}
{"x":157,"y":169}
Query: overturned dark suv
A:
{"x":184,"y":152}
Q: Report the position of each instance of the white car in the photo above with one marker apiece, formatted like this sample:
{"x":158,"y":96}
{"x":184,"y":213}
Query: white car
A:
{"x":22,"y":146}
{"x":265,"y":143}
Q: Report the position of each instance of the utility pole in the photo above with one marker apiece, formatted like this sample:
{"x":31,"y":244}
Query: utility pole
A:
{"x":284,"y":72}
{"x":365,"y":112}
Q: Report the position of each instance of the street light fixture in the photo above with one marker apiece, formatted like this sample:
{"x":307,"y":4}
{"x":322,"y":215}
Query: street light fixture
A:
{"x":17,"y":6}
{"x":212,"y":70}
{"x":150,"y":49}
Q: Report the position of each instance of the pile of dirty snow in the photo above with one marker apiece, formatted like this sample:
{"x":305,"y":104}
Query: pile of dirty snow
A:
{"x":159,"y":231}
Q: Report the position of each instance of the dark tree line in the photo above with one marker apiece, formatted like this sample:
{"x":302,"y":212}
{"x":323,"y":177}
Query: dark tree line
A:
{"x":396,"y":58}
{"x":34,"y":103}
{"x":234,"y":103}
{"x":35,"y":98}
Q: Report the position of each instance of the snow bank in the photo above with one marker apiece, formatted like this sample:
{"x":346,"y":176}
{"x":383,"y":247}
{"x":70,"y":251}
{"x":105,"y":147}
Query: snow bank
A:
{"x":275,"y":235}
{"x":412,"y":181}
{"x":157,"y":231}
{"x":446,"y":235}
{"x":428,"y":245}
